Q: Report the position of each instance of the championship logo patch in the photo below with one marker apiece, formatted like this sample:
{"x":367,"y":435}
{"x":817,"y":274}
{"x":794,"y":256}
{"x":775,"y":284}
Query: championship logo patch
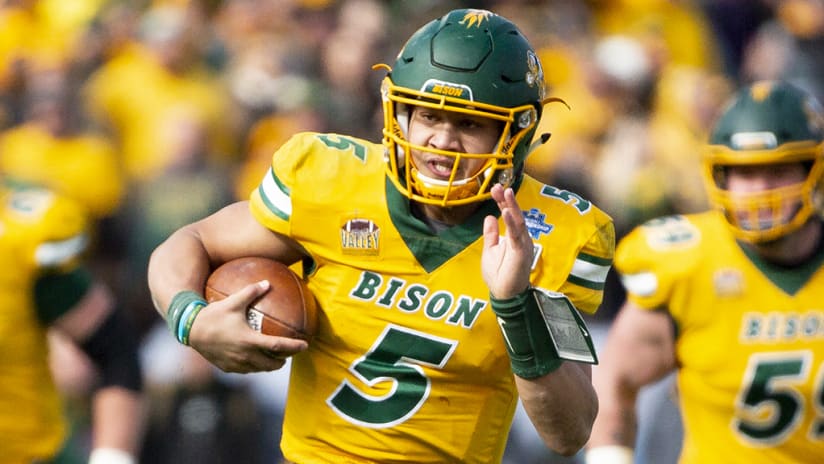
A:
{"x":536,"y":224}
{"x":728,"y":282}
{"x":360,"y":237}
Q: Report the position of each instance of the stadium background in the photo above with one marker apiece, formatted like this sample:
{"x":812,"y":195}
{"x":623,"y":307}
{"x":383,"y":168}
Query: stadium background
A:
{"x":156,"y":112}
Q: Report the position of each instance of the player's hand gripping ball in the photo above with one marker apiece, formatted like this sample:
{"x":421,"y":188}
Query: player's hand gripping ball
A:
{"x":288,"y":309}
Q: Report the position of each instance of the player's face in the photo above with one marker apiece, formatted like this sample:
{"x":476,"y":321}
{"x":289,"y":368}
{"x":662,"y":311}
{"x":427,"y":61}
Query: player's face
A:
{"x":444,"y":130}
{"x":746,"y":181}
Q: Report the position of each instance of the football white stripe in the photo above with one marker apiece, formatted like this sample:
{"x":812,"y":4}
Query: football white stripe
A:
{"x":588,"y":271}
{"x":56,"y":253}
{"x":642,"y":284}
{"x":275,"y":195}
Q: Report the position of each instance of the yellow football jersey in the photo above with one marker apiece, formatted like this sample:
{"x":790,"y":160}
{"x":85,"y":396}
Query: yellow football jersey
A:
{"x":37,"y":230}
{"x":749,"y":339}
{"x":83,"y":167}
{"x":142,"y":101}
{"x":408,"y":364}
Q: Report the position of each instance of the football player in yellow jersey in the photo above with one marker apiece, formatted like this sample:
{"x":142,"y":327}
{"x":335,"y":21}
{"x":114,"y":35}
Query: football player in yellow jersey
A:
{"x":43,"y":285}
{"x":732,"y":299}
{"x":448,"y":281}
{"x":50,"y":148}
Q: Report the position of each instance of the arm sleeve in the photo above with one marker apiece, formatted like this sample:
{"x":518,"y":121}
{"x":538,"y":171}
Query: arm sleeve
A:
{"x":113,"y":347}
{"x":56,"y":293}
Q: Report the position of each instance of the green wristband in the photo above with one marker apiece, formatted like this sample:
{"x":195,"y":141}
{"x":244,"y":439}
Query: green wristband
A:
{"x":185,"y":324}
{"x":183,"y":309}
{"x":526,"y":336}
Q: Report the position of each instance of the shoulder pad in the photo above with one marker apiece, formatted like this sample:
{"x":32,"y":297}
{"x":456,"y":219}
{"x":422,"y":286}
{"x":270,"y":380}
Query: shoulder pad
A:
{"x":653,"y":256}
{"x":50,"y":229}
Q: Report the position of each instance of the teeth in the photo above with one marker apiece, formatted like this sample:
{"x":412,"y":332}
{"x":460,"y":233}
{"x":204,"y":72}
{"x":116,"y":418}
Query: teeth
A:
{"x":441,"y":167}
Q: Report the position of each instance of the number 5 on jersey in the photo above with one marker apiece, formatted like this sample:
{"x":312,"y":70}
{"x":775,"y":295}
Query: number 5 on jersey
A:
{"x":395,"y":357}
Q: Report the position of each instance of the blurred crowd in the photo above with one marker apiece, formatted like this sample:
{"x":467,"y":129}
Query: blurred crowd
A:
{"x":157,"y":112}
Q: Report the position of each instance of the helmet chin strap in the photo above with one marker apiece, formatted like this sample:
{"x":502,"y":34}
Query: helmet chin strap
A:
{"x":441,"y":183}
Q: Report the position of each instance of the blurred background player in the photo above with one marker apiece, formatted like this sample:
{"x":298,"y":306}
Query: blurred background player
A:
{"x":44,"y":285}
{"x":730,"y":298}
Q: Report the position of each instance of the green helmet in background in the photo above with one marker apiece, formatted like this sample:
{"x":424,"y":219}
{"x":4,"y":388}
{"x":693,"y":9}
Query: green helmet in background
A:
{"x":473,"y":62}
{"x":766,"y":123}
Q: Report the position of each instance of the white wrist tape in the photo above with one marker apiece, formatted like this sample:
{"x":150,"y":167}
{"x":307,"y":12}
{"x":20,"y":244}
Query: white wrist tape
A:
{"x":111,"y":456}
{"x":613,"y":454}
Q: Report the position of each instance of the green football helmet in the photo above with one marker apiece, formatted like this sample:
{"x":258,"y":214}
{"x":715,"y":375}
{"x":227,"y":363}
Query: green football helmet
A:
{"x":769,"y":122}
{"x":472,"y":62}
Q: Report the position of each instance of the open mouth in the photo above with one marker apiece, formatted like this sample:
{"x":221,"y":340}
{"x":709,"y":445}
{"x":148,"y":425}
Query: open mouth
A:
{"x":761,"y":219}
{"x":440,"y":168}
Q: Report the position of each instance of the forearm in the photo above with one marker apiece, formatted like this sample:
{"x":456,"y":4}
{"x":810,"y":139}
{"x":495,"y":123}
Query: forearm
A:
{"x":177,"y":273}
{"x":117,"y":415}
{"x":179,"y":263}
{"x":558,"y":396}
{"x":614,"y":431}
{"x":639,"y":349}
{"x":118,"y":420}
{"x":616,"y":424}
{"x":562,"y":406}
{"x":184,"y":260}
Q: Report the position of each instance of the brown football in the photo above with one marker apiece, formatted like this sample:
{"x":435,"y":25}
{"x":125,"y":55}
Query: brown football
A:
{"x":288,"y":309}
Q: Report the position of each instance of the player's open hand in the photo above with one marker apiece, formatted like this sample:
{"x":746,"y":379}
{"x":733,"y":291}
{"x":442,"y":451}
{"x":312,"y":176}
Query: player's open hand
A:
{"x":221,"y":334}
{"x":506,"y":258}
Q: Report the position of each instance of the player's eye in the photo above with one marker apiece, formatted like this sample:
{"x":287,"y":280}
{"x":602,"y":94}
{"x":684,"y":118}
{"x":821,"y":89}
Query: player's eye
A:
{"x":427,"y":116}
{"x":470,"y":124}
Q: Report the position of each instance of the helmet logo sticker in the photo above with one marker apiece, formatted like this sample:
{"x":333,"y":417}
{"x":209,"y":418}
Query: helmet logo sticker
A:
{"x":754,"y":141}
{"x":475,"y":18}
{"x":535,"y":73}
{"x":448,"y":89}
{"x":536,"y":224}
{"x":360,"y":237}
{"x":761,"y":90}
